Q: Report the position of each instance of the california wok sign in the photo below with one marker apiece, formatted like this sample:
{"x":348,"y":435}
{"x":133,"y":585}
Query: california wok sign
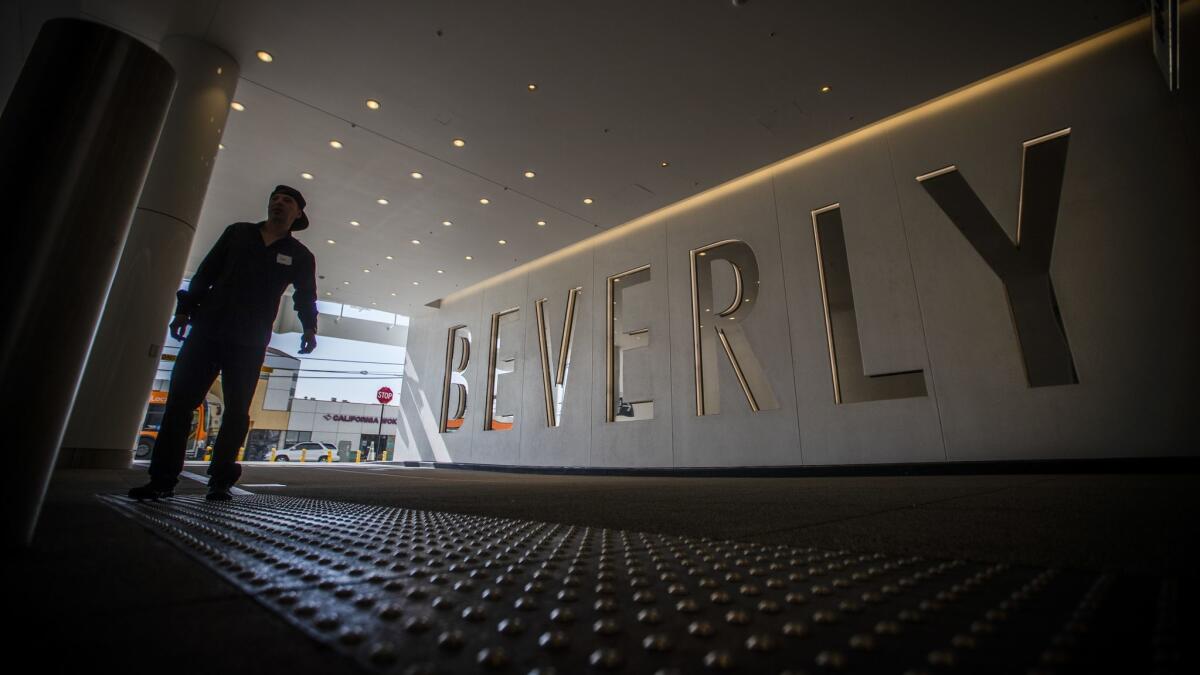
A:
{"x":359,"y":418}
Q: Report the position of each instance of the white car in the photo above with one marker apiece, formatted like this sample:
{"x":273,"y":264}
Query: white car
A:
{"x":313,"y":451}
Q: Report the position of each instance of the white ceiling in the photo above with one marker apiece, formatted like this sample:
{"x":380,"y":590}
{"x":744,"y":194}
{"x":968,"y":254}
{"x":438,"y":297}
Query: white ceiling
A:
{"x":715,"y":90}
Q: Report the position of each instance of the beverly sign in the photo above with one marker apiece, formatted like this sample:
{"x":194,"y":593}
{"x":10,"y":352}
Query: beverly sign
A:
{"x":1023,"y":266}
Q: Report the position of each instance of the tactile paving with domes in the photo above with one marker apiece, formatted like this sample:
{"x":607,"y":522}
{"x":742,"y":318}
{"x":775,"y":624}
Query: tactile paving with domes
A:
{"x":412,"y":591}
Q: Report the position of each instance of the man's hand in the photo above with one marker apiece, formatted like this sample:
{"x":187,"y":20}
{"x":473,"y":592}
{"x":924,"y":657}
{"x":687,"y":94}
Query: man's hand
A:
{"x":308,"y":342}
{"x":179,"y":326}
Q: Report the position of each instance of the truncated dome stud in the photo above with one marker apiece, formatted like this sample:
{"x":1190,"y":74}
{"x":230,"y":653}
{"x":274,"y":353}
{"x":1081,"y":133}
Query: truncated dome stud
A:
{"x":402,"y":590}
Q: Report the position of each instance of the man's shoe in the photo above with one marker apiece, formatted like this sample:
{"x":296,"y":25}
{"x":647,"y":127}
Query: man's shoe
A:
{"x":219,"y":492}
{"x":152,"y":491}
{"x":220,"y":486}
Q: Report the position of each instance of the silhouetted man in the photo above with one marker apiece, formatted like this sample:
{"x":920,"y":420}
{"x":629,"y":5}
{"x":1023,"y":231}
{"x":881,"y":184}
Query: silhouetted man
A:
{"x":231,"y":305}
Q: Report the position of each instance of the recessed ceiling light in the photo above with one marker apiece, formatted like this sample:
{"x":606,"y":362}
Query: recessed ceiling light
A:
{"x":587,"y":200}
{"x":382,"y":201}
{"x":373,"y":104}
{"x":265,"y":57}
{"x":825,"y":89}
{"x":447,"y":223}
{"x":237,"y":106}
{"x":541,"y":223}
{"x":393,"y":295}
{"x":327,"y":293}
{"x":354,"y":223}
{"x":330,"y":241}
{"x":532,"y":86}
{"x":220,"y":146}
{"x":467,"y":257}
{"x":417,"y":174}
{"x":416,"y":283}
{"x":416,"y":241}
{"x":345,"y":283}
{"x":335,"y":144}
{"x":306,"y":176}
{"x":664,"y":164}
{"x":220,"y":70}
{"x":530,"y":174}
{"x":389,"y":257}
{"x":458,"y":142}
{"x":485,"y":201}
{"x":501,"y":242}
{"x":441,"y":271}
{"x":366,"y":271}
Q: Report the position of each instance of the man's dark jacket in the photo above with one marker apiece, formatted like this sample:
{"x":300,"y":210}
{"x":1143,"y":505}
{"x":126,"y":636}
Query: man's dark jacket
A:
{"x":234,"y":294}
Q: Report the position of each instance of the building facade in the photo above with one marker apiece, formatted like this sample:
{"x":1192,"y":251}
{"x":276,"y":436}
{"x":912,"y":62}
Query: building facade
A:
{"x":997,"y":274}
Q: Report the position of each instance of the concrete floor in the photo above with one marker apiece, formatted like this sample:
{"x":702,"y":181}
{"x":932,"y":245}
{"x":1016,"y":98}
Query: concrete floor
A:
{"x":97,"y":589}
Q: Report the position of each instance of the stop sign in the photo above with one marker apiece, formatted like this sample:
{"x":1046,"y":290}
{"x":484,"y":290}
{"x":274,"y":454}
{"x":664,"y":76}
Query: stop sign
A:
{"x":384,"y":395}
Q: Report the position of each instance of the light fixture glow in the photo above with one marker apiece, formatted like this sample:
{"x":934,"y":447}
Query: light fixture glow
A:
{"x":587,"y":200}
{"x":335,"y":144}
{"x":373,"y":104}
{"x":825,"y":89}
{"x":264,"y":56}
{"x":306,"y":176}
{"x":330,"y":241}
{"x":530,"y":174}
{"x":220,"y":146}
{"x":532,"y":86}
{"x":327,"y":293}
{"x":664,"y":164}
{"x":382,"y":201}
{"x":237,"y":106}
{"x":354,"y":223}
{"x":416,"y":283}
{"x":389,"y":257}
{"x":541,"y":223}
{"x":366,"y":271}
{"x":416,"y":241}
{"x":393,"y":295}
{"x":447,"y":223}
{"x":458,"y":142}
{"x":441,"y":271}
{"x":467,"y":257}
{"x":501,"y":242}
{"x":485,"y":201}
{"x":345,"y":283}
{"x":417,"y":174}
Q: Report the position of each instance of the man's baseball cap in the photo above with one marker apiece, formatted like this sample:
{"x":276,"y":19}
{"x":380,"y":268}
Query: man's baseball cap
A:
{"x":301,"y":222}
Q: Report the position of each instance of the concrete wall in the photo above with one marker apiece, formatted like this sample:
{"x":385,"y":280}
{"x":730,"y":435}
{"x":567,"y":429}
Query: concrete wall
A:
{"x":1124,"y":270}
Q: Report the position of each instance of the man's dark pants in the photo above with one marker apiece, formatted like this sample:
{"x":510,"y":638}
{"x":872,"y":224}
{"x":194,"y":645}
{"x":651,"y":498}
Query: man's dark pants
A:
{"x":196,"y":368}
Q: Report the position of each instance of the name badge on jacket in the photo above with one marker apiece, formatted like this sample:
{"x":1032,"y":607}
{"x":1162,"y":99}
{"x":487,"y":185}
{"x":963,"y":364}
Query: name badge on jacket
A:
{"x":283,"y":259}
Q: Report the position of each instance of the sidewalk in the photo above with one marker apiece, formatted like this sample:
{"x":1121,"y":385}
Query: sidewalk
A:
{"x":96,"y":588}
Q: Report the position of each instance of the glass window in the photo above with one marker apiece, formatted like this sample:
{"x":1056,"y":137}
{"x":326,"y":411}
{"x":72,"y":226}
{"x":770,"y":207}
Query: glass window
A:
{"x":154,"y":416}
{"x":294,"y":437}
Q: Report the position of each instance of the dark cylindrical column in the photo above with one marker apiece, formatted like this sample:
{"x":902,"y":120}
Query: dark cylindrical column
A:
{"x":76,"y":139}
{"x":116,"y":383}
